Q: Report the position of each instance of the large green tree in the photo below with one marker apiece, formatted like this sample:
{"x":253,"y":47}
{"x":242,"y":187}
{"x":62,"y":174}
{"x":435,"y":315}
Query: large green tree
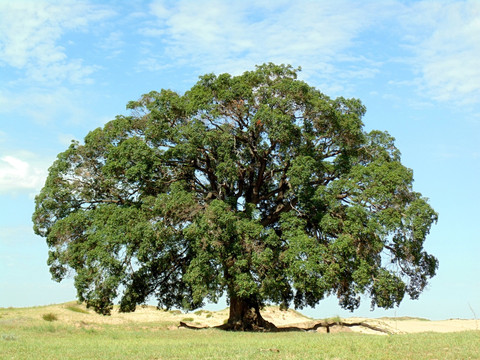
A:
{"x":255,"y":186}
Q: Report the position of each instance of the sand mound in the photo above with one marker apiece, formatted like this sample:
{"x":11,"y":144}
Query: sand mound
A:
{"x":79,"y":315}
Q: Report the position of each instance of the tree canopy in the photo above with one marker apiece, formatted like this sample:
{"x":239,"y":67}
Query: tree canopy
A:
{"x":258,"y":187}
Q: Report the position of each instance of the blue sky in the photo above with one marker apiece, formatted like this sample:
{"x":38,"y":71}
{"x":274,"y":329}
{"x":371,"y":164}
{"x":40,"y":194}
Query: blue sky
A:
{"x":67,"y":67}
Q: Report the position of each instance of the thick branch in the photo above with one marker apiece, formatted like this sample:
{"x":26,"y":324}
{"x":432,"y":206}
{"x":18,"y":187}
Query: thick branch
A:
{"x":275,"y":215}
{"x":259,"y":183}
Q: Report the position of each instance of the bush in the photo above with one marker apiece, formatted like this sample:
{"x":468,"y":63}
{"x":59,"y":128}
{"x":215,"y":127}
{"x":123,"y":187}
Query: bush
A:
{"x":189,"y":319}
{"x":49,"y":317}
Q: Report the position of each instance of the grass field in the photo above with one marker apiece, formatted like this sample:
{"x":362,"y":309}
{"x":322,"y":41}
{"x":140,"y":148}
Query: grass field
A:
{"x":25,"y":334}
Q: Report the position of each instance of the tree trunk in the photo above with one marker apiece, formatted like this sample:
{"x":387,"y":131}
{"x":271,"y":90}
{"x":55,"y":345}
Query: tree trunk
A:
{"x":245,"y":316}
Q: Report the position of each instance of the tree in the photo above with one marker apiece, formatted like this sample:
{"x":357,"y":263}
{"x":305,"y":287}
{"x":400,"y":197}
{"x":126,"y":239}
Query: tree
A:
{"x":256,"y":186}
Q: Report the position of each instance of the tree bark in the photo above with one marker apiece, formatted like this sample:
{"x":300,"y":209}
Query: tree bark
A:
{"x":245,"y":316}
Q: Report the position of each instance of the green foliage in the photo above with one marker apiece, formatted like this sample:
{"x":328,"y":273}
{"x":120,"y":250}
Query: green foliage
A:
{"x":258,"y":186}
{"x":49,"y":317}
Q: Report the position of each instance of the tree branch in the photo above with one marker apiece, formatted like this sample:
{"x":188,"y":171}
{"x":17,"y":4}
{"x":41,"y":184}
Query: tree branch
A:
{"x":280,"y":208}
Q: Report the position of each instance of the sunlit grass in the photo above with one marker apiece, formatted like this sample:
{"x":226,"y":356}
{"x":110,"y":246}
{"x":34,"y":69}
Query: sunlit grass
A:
{"x":54,"y":340}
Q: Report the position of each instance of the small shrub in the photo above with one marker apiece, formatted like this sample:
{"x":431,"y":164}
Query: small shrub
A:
{"x":203,"y":312}
{"x":188,"y":319}
{"x":209,"y":316}
{"x":336,"y":320}
{"x":49,"y":317}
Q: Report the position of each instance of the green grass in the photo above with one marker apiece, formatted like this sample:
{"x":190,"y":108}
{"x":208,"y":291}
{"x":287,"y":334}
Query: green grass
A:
{"x":39,"y":340}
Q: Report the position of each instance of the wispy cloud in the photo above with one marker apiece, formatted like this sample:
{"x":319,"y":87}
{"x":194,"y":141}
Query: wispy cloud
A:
{"x":30,"y":34}
{"x":44,"y":106}
{"x":442,"y":40}
{"x":113,"y":43}
{"x":445,"y":40}
{"x":232,"y":36}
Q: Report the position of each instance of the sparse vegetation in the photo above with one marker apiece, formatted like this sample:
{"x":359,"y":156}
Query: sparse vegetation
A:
{"x":201,"y":312}
{"x":405,"y":318}
{"x":188,"y":319}
{"x":76,"y":308}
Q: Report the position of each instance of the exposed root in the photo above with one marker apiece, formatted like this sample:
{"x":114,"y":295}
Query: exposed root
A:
{"x":328,"y":325}
{"x":262,"y":326}
{"x":272,"y":328}
{"x":185,"y":325}
{"x":267,"y":327}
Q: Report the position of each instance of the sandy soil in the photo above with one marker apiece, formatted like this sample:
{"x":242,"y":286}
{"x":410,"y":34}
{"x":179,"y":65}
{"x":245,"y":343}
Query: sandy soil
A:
{"x":443,"y":326}
{"x":78,"y":315}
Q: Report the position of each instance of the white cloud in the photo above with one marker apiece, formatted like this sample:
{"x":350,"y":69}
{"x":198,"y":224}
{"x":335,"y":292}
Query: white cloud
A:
{"x":445,"y":39}
{"x":30,"y":34}
{"x":21,"y":173}
{"x":73,"y":71}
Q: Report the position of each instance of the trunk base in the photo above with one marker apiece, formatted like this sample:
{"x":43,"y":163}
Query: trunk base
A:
{"x":245,"y":316}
